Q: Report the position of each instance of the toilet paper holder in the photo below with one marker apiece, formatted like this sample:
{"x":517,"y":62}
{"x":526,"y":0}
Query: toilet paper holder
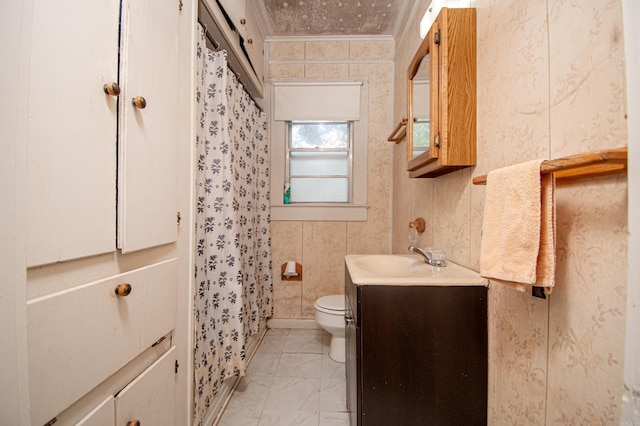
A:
{"x":298,"y":271}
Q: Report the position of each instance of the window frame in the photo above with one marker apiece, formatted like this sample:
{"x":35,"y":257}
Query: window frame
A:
{"x":356,"y":209}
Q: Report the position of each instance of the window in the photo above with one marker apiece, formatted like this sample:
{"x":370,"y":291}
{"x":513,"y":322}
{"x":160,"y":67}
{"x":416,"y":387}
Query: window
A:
{"x":319,"y":150}
{"x":319,"y":161}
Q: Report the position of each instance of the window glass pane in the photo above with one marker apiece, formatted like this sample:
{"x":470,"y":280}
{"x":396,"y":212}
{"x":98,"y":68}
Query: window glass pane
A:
{"x":319,"y":135}
{"x":319,"y":190}
{"x":319,"y":163}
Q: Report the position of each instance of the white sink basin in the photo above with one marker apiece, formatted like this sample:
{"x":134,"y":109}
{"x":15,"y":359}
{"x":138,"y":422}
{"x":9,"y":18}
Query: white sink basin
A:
{"x":390,"y":266}
{"x":407,"y":269}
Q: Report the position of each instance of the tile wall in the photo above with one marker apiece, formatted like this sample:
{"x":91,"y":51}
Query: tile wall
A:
{"x":320,"y":247}
{"x":550,"y":84}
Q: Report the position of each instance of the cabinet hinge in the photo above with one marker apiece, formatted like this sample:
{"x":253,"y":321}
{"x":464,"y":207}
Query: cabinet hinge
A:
{"x":52,"y":421}
{"x":436,"y":37}
{"x":180,"y":5}
{"x":179,"y":218}
{"x":177,"y":366}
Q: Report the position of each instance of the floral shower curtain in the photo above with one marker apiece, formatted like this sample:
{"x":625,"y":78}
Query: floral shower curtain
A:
{"x":233,"y":256}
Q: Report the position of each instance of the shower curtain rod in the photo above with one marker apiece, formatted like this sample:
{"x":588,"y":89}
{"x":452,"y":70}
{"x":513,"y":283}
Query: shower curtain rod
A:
{"x":207,"y":34}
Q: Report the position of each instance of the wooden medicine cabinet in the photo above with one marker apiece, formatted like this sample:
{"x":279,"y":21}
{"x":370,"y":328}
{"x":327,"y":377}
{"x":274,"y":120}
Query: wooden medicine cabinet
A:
{"x":441,"y":93}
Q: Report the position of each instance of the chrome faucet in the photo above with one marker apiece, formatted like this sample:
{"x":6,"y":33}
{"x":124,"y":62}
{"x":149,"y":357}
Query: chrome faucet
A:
{"x":429,"y":258}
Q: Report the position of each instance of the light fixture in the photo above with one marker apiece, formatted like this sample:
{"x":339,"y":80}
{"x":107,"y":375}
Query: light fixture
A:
{"x":430,"y":16}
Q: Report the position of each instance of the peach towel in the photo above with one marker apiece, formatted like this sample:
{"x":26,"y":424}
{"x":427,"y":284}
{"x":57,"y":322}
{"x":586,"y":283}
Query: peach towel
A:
{"x":519,"y":228}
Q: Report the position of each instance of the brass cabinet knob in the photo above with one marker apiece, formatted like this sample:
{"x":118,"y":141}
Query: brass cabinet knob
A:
{"x":123,"y":289}
{"x":111,"y":89}
{"x":243,"y":21}
{"x":133,"y":423}
{"x":139,"y":102}
{"x":250,"y":41}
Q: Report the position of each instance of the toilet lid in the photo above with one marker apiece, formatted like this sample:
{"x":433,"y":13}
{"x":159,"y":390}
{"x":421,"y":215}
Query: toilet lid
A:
{"x":333,"y":302}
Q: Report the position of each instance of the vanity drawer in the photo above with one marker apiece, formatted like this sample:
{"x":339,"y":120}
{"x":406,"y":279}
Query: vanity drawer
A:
{"x":79,"y":337}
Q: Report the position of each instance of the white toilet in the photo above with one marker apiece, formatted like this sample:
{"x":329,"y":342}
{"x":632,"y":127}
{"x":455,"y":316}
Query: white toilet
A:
{"x":330,"y":316}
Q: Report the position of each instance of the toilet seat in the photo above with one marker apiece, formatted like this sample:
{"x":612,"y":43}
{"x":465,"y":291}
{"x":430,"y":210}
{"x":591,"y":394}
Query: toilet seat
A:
{"x":333,"y":304}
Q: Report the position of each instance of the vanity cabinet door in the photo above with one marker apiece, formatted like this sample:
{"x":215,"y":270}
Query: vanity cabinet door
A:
{"x":422,"y":356}
{"x":352,"y":360}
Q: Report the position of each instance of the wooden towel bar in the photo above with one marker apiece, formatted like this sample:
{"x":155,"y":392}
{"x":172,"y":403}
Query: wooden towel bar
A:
{"x":588,"y":164}
{"x":399,"y":132}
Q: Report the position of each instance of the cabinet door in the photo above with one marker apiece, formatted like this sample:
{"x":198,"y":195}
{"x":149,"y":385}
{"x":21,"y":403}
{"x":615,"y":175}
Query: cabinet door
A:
{"x":424,"y":355}
{"x":71,"y":144}
{"x":148,"y":135}
{"x":150,"y":398}
{"x":236,"y":11}
{"x":254,"y":42}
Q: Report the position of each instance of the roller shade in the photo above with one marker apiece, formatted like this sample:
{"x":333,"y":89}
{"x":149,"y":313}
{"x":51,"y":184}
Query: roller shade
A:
{"x":317,"y":101}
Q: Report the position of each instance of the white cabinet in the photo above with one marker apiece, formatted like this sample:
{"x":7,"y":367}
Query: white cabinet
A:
{"x":79,"y":337}
{"x":102,"y":175}
{"x":77,"y":159}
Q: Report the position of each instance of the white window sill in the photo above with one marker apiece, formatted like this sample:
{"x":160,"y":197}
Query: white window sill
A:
{"x":319,"y":212}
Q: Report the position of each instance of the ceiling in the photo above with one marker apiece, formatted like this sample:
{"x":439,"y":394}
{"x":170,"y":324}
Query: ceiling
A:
{"x":333,"y":17}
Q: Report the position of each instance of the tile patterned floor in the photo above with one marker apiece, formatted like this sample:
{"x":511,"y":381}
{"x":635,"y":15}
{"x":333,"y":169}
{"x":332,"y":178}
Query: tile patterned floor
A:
{"x":290,"y":381}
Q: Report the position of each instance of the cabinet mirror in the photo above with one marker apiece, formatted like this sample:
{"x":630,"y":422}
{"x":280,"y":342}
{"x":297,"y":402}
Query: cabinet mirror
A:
{"x":441,"y":86}
{"x":419,"y":86}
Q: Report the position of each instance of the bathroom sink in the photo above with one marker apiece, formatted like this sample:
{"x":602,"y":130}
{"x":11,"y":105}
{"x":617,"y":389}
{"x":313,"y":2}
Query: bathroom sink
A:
{"x":407,"y":270}
{"x":391,"y":266}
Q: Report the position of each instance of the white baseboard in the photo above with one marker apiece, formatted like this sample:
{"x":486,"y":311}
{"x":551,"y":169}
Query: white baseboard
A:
{"x":292,"y":323}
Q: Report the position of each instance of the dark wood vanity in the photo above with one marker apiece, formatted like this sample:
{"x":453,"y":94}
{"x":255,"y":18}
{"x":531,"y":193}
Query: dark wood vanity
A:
{"x":416,"y":355}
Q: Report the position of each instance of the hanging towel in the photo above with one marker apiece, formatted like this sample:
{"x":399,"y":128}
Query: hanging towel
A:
{"x":519,"y":227}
